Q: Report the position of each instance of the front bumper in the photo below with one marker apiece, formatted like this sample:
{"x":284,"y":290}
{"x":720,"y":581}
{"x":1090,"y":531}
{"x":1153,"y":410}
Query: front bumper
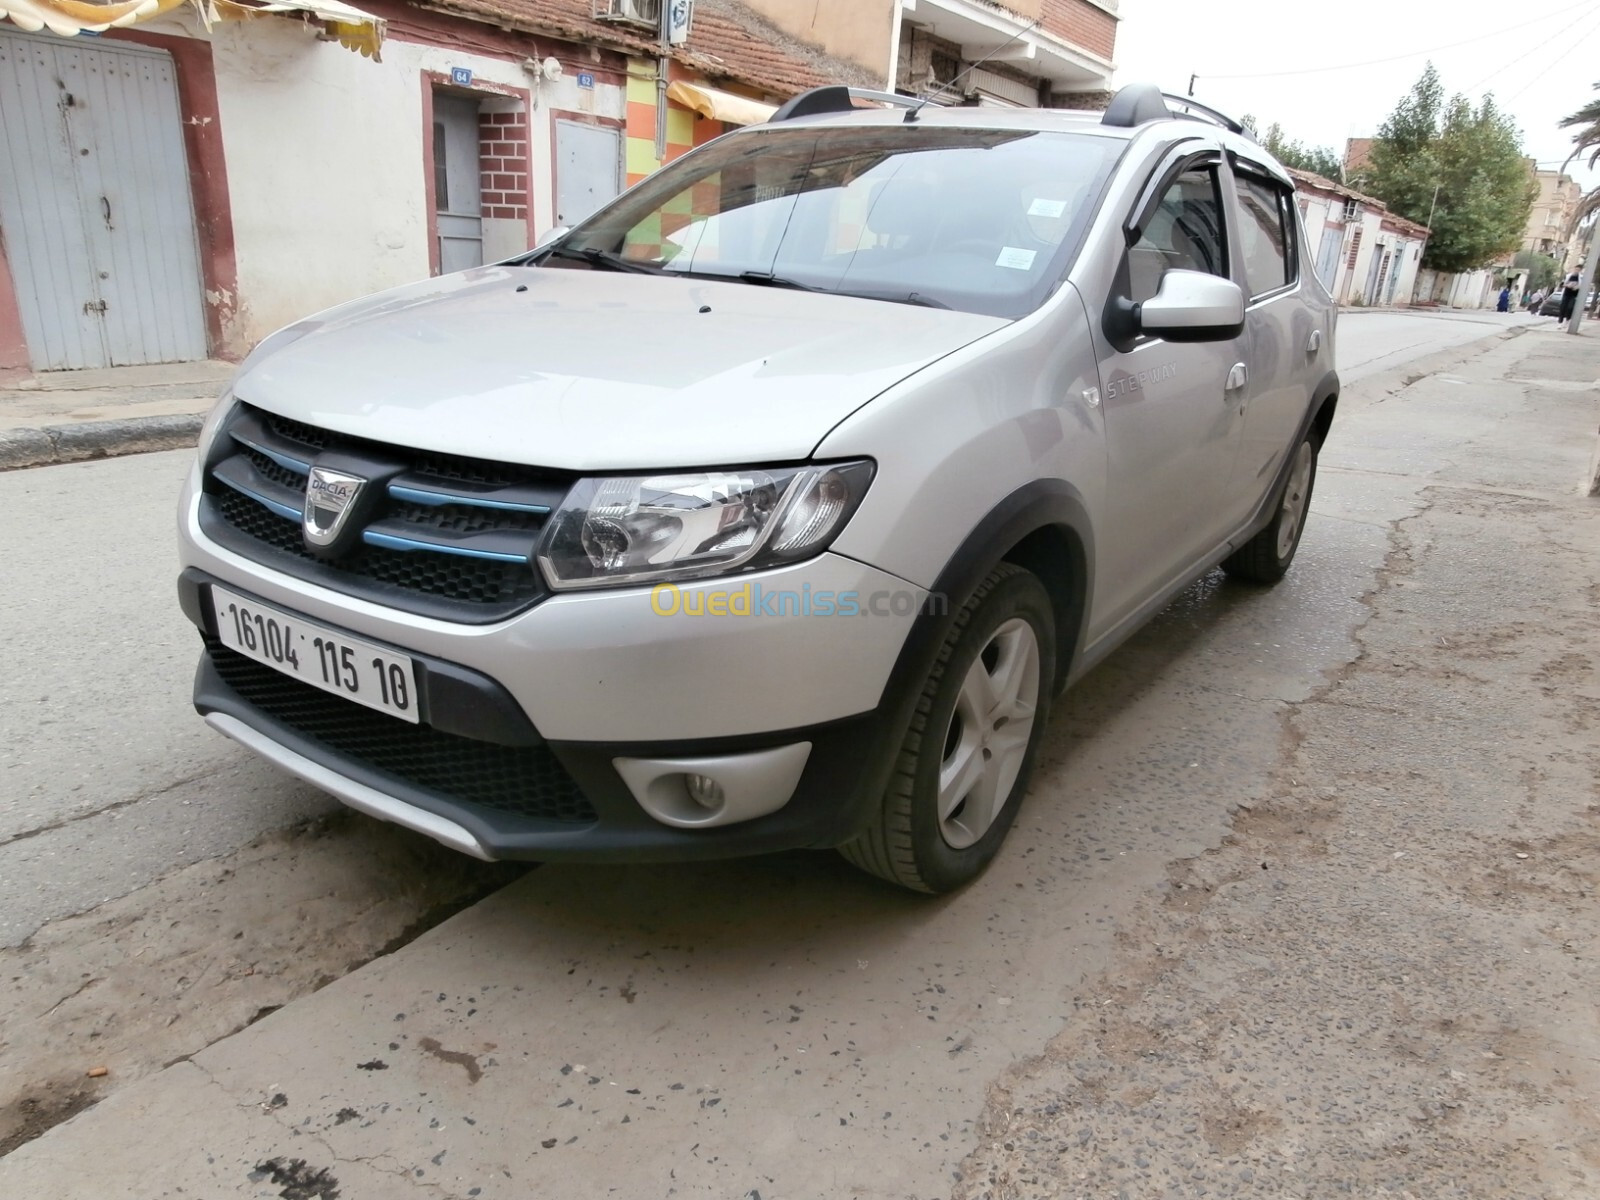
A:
{"x":478,"y":775}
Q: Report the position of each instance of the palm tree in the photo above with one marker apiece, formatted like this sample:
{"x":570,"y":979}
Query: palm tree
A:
{"x":1586,"y":140}
{"x":1587,"y":121}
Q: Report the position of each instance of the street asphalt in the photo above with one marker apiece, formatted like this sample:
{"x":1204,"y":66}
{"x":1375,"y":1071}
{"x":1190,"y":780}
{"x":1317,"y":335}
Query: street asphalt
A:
{"x":1249,"y":936}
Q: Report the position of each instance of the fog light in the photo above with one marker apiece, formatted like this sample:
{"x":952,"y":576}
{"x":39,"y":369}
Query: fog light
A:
{"x":704,"y":791}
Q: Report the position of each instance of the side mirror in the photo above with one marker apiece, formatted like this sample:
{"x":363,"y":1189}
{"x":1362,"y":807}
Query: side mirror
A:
{"x":1192,"y":306}
{"x":550,"y":235}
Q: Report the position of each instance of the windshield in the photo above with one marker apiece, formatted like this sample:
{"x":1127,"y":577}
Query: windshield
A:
{"x":982,"y":220}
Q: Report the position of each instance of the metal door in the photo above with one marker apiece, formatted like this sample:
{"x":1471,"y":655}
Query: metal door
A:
{"x":458,"y":199}
{"x":588,"y":169}
{"x":1376,"y":273}
{"x":1328,"y":254}
{"x":94,"y":199}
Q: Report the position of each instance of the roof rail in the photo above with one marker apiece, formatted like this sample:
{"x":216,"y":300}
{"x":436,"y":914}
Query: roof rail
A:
{"x":1206,"y":111}
{"x":1139,"y":103}
{"x":836,"y":99}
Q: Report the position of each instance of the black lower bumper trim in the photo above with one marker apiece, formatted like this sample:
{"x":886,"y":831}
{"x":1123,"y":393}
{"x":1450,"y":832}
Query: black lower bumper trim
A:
{"x":547,"y":800}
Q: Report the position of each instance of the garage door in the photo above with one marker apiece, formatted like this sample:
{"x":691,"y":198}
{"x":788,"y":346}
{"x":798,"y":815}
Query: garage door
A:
{"x":94,"y":204}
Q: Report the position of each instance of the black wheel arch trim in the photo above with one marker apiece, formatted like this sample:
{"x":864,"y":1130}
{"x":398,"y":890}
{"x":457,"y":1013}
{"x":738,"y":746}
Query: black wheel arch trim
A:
{"x":1010,"y":531}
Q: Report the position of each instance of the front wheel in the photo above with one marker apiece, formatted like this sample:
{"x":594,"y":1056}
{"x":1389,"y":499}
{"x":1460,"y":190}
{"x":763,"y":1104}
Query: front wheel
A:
{"x":1265,"y":558}
{"x":964,"y":764}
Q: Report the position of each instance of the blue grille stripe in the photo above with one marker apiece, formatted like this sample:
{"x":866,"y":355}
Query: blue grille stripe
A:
{"x":283,"y":460}
{"x":283,"y":510}
{"x":390,"y":542}
{"x":420,"y":496}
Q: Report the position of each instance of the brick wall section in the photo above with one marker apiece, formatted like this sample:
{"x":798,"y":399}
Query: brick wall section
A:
{"x":1082,"y":24}
{"x":503,"y":164}
{"x":1082,"y":101}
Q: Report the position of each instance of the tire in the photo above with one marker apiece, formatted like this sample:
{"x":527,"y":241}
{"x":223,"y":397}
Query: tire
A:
{"x":1265,"y":558}
{"x":1006,"y":632}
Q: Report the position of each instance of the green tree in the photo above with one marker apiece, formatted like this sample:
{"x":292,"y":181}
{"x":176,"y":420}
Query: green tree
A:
{"x":1541,"y":268}
{"x":1319,"y":160}
{"x":1470,"y":158}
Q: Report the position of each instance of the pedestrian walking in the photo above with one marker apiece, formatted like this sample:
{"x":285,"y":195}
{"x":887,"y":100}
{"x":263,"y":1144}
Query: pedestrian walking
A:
{"x":1569,"y":296}
{"x":1535,"y":300}
{"x":1505,"y":300}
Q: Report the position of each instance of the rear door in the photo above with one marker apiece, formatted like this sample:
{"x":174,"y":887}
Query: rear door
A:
{"x":1278,"y":328}
{"x":1171,"y":426}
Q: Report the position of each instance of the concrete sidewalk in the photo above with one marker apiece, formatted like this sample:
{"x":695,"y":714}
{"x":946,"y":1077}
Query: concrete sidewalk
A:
{"x":1375,"y":977}
{"x":66,"y":416}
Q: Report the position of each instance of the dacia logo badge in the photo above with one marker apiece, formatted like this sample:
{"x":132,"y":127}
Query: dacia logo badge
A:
{"x":330,"y":496}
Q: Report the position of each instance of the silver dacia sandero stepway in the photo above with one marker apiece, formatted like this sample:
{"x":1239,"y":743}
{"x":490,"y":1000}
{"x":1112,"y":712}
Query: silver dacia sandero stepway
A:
{"x":771,"y":506}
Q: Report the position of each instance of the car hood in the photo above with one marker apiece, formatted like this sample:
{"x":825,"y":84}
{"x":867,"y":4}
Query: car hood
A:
{"x":593,"y":370}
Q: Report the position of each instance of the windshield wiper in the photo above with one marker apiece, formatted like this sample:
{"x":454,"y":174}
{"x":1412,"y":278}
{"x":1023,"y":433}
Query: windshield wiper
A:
{"x":918,"y":299}
{"x":605,"y":260}
{"x":768,"y":279}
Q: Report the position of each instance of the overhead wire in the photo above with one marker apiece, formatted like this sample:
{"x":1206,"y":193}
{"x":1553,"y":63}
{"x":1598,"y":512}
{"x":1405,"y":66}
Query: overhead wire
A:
{"x":1376,"y":62}
{"x":1507,"y":66}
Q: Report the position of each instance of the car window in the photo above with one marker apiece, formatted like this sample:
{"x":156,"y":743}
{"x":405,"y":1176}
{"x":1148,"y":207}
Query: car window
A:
{"x":1184,"y":233}
{"x":982,"y":220}
{"x":1266,"y":234}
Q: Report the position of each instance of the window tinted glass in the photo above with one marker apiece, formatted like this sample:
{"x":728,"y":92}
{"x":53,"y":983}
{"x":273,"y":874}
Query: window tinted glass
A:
{"x":1184,"y":233}
{"x":985,"y":220}
{"x":1262,"y":234}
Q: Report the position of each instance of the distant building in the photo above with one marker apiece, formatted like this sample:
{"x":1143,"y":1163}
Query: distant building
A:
{"x":1033,"y":53}
{"x":1363,"y":253}
{"x":1546,"y":231}
{"x":1357,"y":156}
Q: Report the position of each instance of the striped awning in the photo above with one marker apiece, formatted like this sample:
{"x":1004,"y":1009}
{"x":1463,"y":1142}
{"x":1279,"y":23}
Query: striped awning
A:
{"x":351,"y":27}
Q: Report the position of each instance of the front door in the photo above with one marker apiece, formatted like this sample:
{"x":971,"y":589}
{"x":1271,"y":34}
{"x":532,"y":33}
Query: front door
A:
{"x":457,"y":196}
{"x":95,"y":204}
{"x":588,"y":169}
{"x":1171,"y":421}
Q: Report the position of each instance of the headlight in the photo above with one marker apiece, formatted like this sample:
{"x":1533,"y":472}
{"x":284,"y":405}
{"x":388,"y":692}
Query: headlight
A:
{"x":684,"y":525}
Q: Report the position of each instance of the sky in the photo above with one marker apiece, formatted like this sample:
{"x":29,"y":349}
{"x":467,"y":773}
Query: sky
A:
{"x":1315,"y":69}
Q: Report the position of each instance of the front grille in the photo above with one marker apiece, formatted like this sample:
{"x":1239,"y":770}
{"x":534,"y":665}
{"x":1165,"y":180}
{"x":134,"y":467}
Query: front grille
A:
{"x":526,"y":781}
{"x":452,"y":537}
{"x":495,"y":586}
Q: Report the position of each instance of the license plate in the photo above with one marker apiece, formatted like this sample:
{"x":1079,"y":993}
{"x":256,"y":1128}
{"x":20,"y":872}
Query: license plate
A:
{"x":315,"y":654}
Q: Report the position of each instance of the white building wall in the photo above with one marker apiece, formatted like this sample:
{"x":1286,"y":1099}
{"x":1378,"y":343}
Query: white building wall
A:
{"x":1316,"y":222}
{"x":326,"y":177}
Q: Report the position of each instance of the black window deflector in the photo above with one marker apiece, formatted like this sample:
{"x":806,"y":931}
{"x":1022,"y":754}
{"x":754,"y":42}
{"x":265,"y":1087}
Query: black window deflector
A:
{"x":1150,"y":198}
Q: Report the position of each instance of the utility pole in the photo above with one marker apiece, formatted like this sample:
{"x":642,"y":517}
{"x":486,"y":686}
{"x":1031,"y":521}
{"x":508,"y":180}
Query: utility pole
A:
{"x":1586,"y":282}
{"x":1431,"y":206}
{"x":663,"y":66}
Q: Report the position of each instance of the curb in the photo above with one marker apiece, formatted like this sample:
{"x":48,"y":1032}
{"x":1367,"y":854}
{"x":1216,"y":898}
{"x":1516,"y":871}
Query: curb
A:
{"x":52,"y":444}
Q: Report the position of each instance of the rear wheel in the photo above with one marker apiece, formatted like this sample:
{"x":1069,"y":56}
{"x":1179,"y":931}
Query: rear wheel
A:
{"x":1265,"y":558}
{"x":964,"y":764}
